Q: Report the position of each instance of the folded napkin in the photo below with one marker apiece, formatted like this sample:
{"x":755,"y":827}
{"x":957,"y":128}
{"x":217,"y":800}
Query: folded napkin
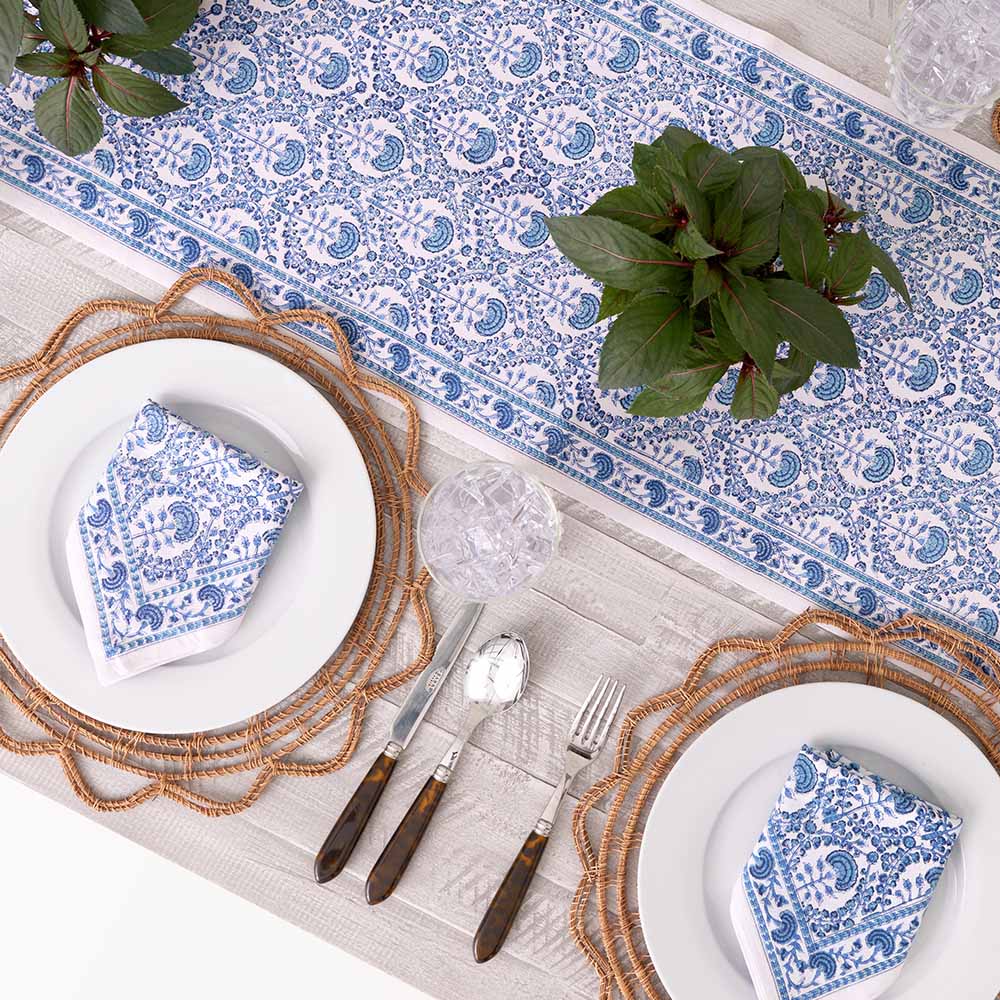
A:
{"x":166,"y":553}
{"x":838,"y":882}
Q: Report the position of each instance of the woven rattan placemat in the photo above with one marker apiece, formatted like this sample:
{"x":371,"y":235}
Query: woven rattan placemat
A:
{"x":184,"y":768}
{"x":604,"y":918}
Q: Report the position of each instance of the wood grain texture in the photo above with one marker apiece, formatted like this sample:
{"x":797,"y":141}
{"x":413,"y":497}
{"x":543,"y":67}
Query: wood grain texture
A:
{"x":616,"y":601}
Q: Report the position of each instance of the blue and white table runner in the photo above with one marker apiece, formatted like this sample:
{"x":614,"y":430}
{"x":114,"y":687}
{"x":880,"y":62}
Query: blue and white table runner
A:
{"x":394,"y":162}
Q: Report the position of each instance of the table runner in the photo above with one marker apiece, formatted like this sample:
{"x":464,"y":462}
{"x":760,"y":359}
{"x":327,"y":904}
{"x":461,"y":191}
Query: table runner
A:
{"x":395,"y":164}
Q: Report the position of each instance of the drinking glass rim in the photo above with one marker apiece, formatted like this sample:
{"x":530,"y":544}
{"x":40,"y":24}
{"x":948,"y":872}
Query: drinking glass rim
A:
{"x":535,"y":482}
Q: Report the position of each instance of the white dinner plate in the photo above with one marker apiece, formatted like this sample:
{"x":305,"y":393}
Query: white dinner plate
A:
{"x":313,"y":584}
{"x":712,"y":806}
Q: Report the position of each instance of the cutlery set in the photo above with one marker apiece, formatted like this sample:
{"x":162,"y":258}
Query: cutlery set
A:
{"x":494,"y":681}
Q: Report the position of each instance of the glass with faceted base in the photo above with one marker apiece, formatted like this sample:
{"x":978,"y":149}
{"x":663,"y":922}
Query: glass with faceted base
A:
{"x":487,"y":530}
{"x":944,"y":60}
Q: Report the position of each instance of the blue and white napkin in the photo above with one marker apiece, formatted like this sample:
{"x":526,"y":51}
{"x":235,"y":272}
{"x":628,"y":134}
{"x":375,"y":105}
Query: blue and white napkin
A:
{"x":836,"y":887}
{"x":167,"y":551}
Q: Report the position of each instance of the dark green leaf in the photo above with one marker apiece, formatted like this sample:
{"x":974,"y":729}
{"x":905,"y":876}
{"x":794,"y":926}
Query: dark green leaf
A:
{"x":171,"y":61}
{"x":804,"y":251}
{"x":758,"y":242}
{"x":709,"y":168}
{"x":640,"y":208}
{"x":11,"y":29}
{"x":707,"y":281}
{"x":761,"y":187}
{"x":689,"y":243}
{"x":680,"y":391}
{"x":677,"y":188}
{"x":821,"y":198}
{"x":647,"y":159}
{"x":132,"y":93}
{"x":164,"y":20}
{"x":113,"y":15}
{"x":680,"y":140}
{"x":812,"y":323}
{"x":887,"y":266}
{"x":725,"y":344}
{"x":750,"y":316}
{"x":45,"y":63}
{"x":67,"y":116}
{"x":755,"y":397}
{"x":793,"y":372}
{"x":613,"y":301}
{"x":794,"y":181}
{"x":91,"y":57}
{"x":62,"y":25}
{"x":618,"y":255}
{"x":648,"y":339}
{"x":849,"y":267}
{"x":727,"y":218}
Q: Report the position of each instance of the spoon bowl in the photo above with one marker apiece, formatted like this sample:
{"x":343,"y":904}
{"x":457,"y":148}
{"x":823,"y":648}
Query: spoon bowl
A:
{"x":497,"y":675}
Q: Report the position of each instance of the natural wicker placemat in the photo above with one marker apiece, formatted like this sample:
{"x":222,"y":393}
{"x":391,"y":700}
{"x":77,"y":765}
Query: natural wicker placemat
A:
{"x":604,"y":918}
{"x":996,"y":121}
{"x":184,"y":768}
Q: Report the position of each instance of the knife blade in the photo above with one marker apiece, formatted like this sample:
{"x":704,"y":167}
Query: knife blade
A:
{"x":343,"y":838}
{"x":433,"y":676}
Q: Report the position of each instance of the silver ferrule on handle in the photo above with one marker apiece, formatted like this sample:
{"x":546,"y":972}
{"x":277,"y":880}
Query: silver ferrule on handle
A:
{"x":544,"y":825}
{"x":444,"y":770}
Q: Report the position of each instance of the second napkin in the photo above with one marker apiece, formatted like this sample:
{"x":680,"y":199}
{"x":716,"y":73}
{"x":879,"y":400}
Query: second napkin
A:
{"x":837,"y":885}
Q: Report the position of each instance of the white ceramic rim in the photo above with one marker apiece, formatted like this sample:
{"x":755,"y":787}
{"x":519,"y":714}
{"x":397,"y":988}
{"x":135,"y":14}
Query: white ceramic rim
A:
{"x":685,"y":951}
{"x":230,"y":686}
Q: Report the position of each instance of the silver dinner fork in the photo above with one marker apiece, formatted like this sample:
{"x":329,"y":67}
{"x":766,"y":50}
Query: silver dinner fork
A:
{"x":587,"y":735}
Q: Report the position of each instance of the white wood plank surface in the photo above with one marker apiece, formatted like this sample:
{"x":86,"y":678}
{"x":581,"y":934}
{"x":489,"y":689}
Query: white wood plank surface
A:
{"x":614,"y":601}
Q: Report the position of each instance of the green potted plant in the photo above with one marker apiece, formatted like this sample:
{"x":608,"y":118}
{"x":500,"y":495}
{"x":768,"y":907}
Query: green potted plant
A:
{"x":713,"y":259}
{"x":80,"y":45}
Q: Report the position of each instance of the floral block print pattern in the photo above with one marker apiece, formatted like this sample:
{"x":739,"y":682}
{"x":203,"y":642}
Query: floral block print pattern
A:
{"x":168,"y":549}
{"x":394,"y":162}
{"x":837,"y":885}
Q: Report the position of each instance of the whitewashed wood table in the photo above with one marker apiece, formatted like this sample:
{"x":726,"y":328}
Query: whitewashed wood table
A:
{"x":614,"y":602}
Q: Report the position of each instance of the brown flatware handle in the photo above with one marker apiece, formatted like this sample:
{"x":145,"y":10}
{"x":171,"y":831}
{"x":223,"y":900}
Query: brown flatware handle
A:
{"x":393,"y":861}
{"x":346,"y":832}
{"x":504,"y":907}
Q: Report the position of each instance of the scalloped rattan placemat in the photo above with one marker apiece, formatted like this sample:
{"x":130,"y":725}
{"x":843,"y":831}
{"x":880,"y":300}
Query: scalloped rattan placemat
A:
{"x":184,"y":768}
{"x":604,"y":919}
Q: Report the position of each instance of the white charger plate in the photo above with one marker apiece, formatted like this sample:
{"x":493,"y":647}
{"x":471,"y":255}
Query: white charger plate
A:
{"x":712,"y":806}
{"x":312,"y":586}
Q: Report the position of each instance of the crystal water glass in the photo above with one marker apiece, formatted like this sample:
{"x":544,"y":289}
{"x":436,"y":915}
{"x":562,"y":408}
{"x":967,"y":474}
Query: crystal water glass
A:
{"x":944,"y":59}
{"x":487,"y":530}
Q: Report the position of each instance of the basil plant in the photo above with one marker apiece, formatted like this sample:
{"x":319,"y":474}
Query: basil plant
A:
{"x":80,"y":45}
{"x":713,"y":259}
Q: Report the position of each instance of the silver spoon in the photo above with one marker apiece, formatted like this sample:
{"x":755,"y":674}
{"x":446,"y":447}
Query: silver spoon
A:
{"x":494,"y":681}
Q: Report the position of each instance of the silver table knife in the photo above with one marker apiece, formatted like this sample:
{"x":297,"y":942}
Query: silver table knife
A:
{"x":346,"y":832}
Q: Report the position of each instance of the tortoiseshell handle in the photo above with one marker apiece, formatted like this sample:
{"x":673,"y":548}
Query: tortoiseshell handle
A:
{"x":503,"y":909}
{"x":346,"y":832}
{"x":393,"y":861}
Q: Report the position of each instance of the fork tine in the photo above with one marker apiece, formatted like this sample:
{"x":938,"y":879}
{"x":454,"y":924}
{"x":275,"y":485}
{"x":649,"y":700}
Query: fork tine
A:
{"x":575,"y":725}
{"x":592,"y":704}
{"x":609,"y":717}
{"x":607,"y":695}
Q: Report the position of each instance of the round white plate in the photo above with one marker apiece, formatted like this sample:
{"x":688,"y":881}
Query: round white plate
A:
{"x":707,"y":816}
{"x":313,"y":584}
